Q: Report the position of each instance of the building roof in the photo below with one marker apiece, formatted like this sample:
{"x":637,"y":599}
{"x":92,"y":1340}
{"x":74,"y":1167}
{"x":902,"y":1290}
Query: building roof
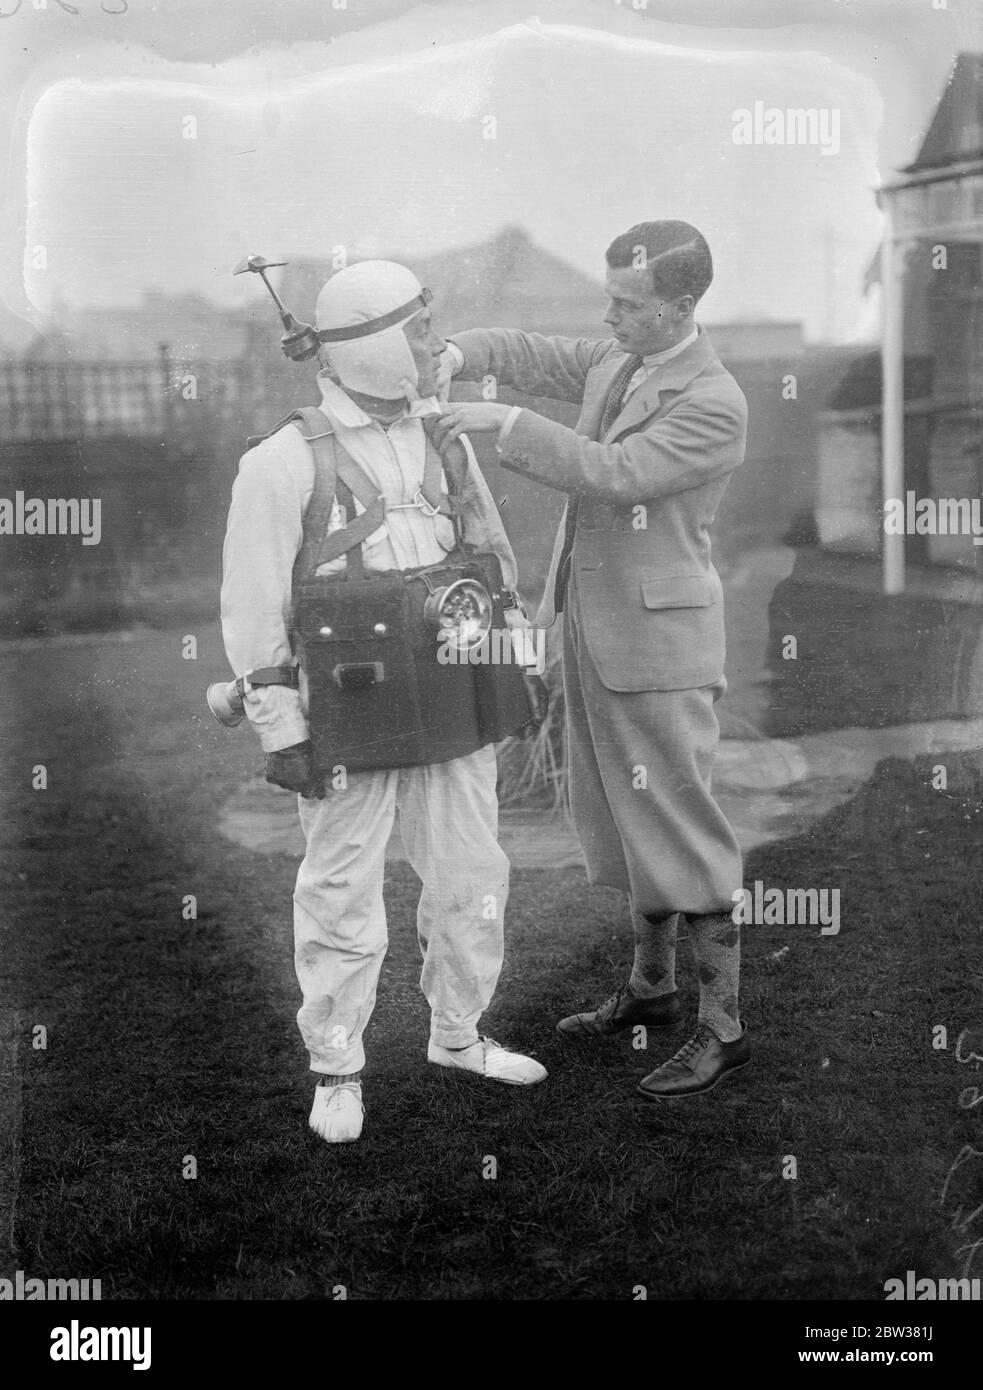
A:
{"x":953,"y":146}
{"x":508,"y":280}
{"x":190,"y":325}
{"x":747,"y":340}
{"x":956,"y":133}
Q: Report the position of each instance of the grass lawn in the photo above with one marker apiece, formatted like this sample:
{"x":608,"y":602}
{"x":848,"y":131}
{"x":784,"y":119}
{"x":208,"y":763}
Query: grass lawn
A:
{"x":169,"y":1038}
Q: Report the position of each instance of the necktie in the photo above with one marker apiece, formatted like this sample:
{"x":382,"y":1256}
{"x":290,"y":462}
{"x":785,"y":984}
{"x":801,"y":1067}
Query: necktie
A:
{"x":612,"y":409}
{"x":616,"y":396}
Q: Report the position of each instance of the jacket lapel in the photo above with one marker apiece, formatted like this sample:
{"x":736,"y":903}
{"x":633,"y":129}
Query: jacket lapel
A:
{"x":674,"y":375}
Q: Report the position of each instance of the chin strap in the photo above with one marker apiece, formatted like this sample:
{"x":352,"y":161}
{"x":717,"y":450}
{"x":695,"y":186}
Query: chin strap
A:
{"x":370,"y":327}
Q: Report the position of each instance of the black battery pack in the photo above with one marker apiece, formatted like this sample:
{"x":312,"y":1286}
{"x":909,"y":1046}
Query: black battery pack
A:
{"x":379,"y":696}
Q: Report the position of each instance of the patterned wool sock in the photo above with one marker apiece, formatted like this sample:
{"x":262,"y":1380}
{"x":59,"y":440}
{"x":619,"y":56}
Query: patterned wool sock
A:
{"x":653,"y":970}
{"x":716,"y":943}
{"x":339,"y":1080}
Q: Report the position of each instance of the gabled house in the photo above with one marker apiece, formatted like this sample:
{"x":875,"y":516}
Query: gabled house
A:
{"x":931,"y":274}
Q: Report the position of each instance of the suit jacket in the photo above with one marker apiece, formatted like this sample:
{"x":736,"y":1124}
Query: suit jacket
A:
{"x":649,"y":599}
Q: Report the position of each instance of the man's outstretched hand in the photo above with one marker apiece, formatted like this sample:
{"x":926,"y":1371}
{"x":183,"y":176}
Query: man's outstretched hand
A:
{"x":448,"y":369}
{"x":295,"y":770}
{"x":469,"y":417}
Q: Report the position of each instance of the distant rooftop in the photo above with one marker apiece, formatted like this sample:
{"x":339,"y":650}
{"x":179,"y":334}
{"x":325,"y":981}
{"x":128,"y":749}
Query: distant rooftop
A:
{"x":956,"y":133}
{"x":509,"y":280}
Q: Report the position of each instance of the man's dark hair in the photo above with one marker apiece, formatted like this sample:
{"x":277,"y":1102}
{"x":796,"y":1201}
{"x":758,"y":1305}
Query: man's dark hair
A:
{"x":675,"y":252}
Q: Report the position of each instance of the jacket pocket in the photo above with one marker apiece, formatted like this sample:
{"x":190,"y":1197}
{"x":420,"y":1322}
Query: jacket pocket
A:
{"x":677,"y":591}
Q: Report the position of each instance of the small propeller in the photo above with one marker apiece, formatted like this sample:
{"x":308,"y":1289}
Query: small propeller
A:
{"x":256,"y":263}
{"x":300,"y":340}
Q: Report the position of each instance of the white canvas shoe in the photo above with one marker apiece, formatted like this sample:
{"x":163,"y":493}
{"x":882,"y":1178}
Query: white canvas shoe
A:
{"x":336,"y":1114}
{"x":488,"y":1058}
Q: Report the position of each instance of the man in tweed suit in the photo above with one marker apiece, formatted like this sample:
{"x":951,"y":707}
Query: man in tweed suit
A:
{"x":662,"y":426}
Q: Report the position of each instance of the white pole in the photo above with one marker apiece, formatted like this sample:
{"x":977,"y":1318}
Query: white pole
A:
{"x":892,"y":394}
{"x":829,"y":279}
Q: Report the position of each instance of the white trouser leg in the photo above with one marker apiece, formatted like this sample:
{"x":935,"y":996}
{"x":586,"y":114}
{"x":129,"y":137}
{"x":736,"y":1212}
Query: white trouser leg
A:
{"x":339,"y":917}
{"x":448,"y":814}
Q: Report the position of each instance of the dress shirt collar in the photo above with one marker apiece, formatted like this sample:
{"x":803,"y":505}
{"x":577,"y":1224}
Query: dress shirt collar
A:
{"x":656,"y":359}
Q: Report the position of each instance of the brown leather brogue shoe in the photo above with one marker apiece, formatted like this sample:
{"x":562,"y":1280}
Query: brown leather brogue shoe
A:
{"x":624,"y":1010}
{"x":698,"y":1065}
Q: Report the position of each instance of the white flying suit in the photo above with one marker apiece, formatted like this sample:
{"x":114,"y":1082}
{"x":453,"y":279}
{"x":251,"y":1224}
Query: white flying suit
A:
{"x":448,"y":811}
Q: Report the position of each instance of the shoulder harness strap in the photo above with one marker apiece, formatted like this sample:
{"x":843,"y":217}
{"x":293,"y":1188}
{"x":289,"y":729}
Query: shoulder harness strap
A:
{"x":337,"y":473}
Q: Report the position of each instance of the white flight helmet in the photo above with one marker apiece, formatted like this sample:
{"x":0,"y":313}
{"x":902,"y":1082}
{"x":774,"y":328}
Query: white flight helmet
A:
{"x":360,"y":316}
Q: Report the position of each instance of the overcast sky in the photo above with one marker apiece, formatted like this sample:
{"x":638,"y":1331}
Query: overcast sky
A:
{"x":367,"y":126}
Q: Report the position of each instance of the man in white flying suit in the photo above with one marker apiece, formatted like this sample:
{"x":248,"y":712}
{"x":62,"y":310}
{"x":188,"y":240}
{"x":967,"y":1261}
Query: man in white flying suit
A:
{"x":376,"y":389}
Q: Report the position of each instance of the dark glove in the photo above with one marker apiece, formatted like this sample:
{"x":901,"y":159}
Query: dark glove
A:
{"x":539,"y":702}
{"x":295,"y":770}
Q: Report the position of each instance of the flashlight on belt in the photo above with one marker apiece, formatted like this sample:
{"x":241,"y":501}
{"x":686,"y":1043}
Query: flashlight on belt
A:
{"x":225,"y":698}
